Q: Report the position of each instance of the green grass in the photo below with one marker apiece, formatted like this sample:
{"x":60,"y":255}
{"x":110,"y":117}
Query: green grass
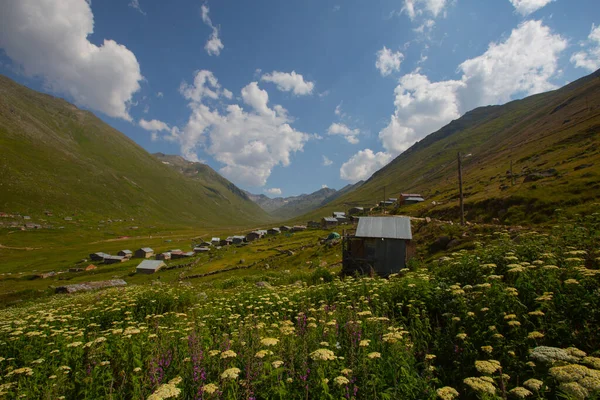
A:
{"x":515,"y":316}
{"x":63,"y":249}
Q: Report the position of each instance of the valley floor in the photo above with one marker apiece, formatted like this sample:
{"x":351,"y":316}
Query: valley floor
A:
{"x":514,"y":314}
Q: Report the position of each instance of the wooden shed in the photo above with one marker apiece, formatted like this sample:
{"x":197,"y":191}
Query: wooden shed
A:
{"x":125,"y":253}
{"x":252,"y":236}
{"x":329,"y":222}
{"x":149,"y":266}
{"x":381,"y":245}
{"x":144,"y":252}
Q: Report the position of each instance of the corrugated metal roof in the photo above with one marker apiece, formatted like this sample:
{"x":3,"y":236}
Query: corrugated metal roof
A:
{"x":147,"y":249}
{"x":384,"y":227}
{"x":330,"y":219}
{"x":151,"y":264}
{"x":414,"y":199}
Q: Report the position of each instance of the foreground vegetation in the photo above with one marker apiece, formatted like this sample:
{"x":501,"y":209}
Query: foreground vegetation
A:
{"x":515,"y":317}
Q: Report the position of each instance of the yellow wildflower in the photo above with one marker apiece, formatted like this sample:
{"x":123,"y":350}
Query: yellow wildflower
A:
{"x":480,"y":385}
{"x":520,"y":392}
{"x":341,"y":380}
{"x":269,"y":341}
{"x":322,"y":355}
{"x":447,"y":393}
{"x":535,"y":335}
{"x":210,"y":388}
{"x":231,"y":373}
{"x":228,"y":354}
{"x":487,"y":367}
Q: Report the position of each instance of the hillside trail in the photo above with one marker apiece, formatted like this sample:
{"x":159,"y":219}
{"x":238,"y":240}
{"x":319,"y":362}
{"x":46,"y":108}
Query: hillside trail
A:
{"x":19,"y":248}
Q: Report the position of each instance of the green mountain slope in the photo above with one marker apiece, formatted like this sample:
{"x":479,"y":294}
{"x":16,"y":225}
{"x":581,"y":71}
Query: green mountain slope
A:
{"x":59,"y":158}
{"x":552,"y":139}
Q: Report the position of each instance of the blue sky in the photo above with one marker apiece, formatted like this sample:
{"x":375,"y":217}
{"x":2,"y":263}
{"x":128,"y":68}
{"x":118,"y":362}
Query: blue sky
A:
{"x":284,"y":97}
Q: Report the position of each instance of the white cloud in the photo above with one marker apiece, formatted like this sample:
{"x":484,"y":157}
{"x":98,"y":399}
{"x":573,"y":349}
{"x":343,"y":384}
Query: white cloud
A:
{"x":425,"y":27}
{"x":154,"y":125}
{"x":338,"y":110}
{"x":257,"y":98}
{"x":414,"y":8}
{"x":326,"y":161}
{"x":341,"y":129}
{"x":205,"y":85}
{"x":421,"y":108}
{"x":146,"y":109}
{"x":227,"y":94}
{"x":136,"y":5}
{"x":388,"y":61}
{"x":249,"y":143}
{"x":522,"y":64}
{"x":159,"y":94}
{"x":590,"y":58}
{"x":214,"y":45}
{"x":526,"y":7}
{"x":274,"y":191}
{"x":48,"y":38}
{"x":363,"y":164}
{"x":290,"y":82}
{"x":324,"y":186}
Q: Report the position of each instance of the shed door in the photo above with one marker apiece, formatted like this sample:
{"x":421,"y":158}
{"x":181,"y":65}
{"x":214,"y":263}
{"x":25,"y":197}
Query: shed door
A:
{"x":393,"y":256}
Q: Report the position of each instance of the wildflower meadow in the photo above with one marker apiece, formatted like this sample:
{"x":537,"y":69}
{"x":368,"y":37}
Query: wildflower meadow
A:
{"x":514,"y":316}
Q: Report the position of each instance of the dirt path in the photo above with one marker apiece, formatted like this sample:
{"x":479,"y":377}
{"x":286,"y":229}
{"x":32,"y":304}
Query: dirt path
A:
{"x":19,"y":248}
{"x":140,"y":237}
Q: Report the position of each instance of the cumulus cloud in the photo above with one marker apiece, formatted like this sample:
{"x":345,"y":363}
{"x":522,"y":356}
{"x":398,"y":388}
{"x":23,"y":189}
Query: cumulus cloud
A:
{"x":324,"y":186}
{"x":526,"y":7}
{"x":159,"y":94}
{"x":363,"y":164}
{"x":49,"y":39}
{"x":326,"y":161}
{"x":522,"y":64}
{"x":214,"y":45}
{"x":290,"y":82}
{"x":388,"y":61}
{"x":415,"y":8}
{"x":589,"y":58}
{"x":341,"y":129}
{"x":205,"y":85}
{"x":249,"y":143}
{"x":154,"y":125}
{"x":273,"y":191}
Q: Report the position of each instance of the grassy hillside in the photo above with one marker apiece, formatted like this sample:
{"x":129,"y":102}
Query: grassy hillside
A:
{"x":552,"y":140}
{"x":59,"y":158}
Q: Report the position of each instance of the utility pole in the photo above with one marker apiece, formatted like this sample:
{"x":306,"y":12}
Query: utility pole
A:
{"x":383,"y":199}
{"x":460,"y":190}
{"x":512,"y":176}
